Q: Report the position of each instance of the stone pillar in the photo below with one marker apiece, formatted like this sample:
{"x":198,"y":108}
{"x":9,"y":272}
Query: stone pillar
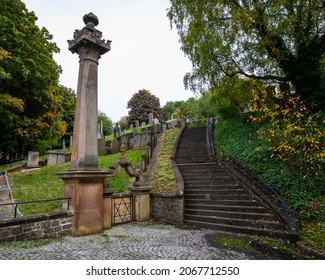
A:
{"x":83,"y":182}
{"x":142,"y":203}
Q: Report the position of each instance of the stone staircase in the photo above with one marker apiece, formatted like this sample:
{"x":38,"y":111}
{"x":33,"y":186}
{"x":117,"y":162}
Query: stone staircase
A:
{"x":214,"y":198}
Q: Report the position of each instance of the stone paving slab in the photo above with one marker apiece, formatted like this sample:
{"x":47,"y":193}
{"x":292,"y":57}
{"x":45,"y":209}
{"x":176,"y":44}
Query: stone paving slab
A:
{"x":133,"y":241}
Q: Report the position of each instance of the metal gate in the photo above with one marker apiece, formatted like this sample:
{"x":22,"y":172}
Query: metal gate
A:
{"x":122,"y":209}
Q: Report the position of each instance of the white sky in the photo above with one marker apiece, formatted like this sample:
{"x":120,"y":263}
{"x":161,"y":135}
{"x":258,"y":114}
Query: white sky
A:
{"x":145,"y":52}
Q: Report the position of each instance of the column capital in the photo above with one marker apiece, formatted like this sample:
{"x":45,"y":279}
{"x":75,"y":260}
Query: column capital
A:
{"x":88,"y":42}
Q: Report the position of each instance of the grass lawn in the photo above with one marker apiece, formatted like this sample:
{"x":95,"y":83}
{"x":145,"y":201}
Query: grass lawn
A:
{"x":44,"y":184}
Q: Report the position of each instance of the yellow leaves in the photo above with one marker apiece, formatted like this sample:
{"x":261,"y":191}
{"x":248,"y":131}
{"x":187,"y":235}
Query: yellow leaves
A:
{"x":294,"y":134}
{"x":14,"y":103}
{"x":5,"y":54}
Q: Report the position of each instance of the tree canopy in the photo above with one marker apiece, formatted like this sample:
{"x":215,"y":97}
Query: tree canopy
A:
{"x":29,"y":95}
{"x":141,"y":105}
{"x":281,"y":41}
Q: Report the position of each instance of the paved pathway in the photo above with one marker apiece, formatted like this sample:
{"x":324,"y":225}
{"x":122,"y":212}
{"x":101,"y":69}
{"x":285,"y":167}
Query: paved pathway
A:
{"x":148,"y":241}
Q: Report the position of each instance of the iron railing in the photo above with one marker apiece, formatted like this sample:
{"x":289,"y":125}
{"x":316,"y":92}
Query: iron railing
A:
{"x":15,"y":204}
{"x":209,"y":135}
{"x":263,"y":185}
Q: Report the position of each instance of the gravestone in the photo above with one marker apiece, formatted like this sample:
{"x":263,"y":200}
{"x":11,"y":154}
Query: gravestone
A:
{"x":137,"y":123}
{"x":102,"y":150}
{"x":150,"y":118}
{"x":145,"y":139}
{"x":115,"y":146}
{"x":33,"y":158}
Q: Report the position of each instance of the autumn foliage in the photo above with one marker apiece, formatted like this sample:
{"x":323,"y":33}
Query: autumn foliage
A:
{"x":295,"y":134}
{"x":141,"y":105}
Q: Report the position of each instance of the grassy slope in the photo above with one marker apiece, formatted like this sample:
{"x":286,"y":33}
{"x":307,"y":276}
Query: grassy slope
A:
{"x":305,"y":196}
{"x":44,"y":184}
{"x":163,"y":178}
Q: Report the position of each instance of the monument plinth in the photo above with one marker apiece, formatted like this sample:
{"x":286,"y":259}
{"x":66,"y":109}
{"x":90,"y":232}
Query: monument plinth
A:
{"x":83,"y":182}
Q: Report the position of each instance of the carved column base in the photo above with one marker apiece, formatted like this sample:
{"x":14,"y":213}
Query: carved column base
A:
{"x":86,"y":191}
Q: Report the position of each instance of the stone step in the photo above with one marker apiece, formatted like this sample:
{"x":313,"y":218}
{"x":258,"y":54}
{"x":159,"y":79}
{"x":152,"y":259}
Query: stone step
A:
{"x":230,"y":214}
{"x":197,"y":175}
{"x":216,"y":180}
{"x":241,"y":202}
{"x":221,"y":182}
{"x":271,"y":225}
{"x":216,"y":192}
{"x":283,"y":234}
{"x":222,"y":187}
{"x":235,"y":208}
{"x":219,"y":196}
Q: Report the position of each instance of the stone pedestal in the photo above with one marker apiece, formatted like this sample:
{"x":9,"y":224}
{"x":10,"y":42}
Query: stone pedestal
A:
{"x":86,"y":191}
{"x":142,"y":203}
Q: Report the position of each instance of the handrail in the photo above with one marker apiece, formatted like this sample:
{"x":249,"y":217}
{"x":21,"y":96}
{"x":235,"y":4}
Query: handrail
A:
{"x":10,"y":192}
{"x":209,"y":136}
{"x":36,"y":201}
{"x":268,"y":189}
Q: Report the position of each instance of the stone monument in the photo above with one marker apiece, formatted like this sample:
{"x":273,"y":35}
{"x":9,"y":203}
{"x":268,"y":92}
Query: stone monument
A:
{"x":83,"y":182}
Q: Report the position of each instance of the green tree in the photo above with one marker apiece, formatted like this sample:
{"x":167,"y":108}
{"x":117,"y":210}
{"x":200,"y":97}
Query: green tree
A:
{"x":280,"y":40}
{"x":67,"y":108}
{"x":141,"y":105}
{"x":29,"y":101}
{"x":107,"y":123}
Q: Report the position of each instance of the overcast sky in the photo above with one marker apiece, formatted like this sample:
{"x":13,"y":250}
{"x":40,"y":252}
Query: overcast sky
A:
{"x":145,"y":52}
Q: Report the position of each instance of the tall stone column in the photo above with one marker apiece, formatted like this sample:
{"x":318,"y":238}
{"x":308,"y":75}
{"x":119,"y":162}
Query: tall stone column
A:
{"x":87,"y":43}
{"x":83,"y":182}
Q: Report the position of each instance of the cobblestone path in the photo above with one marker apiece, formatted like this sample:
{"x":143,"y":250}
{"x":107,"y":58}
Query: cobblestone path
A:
{"x":147,"y":241}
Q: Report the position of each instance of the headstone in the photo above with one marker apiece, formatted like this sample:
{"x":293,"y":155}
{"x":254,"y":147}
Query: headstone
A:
{"x":102,"y":150}
{"x":137,"y":124}
{"x":150,"y":118}
{"x":33,"y":158}
{"x":145,"y":139}
{"x":131,"y":127}
{"x":137,"y":142}
{"x":115,"y":146}
{"x":143,"y":124}
{"x":63,"y":144}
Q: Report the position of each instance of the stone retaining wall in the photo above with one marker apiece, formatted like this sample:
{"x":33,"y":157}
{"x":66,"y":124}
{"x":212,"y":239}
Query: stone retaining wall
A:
{"x":168,"y":207}
{"x":36,"y":227}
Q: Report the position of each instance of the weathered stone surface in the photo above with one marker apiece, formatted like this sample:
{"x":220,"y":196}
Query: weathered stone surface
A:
{"x":33,"y":158}
{"x":168,"y":208}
